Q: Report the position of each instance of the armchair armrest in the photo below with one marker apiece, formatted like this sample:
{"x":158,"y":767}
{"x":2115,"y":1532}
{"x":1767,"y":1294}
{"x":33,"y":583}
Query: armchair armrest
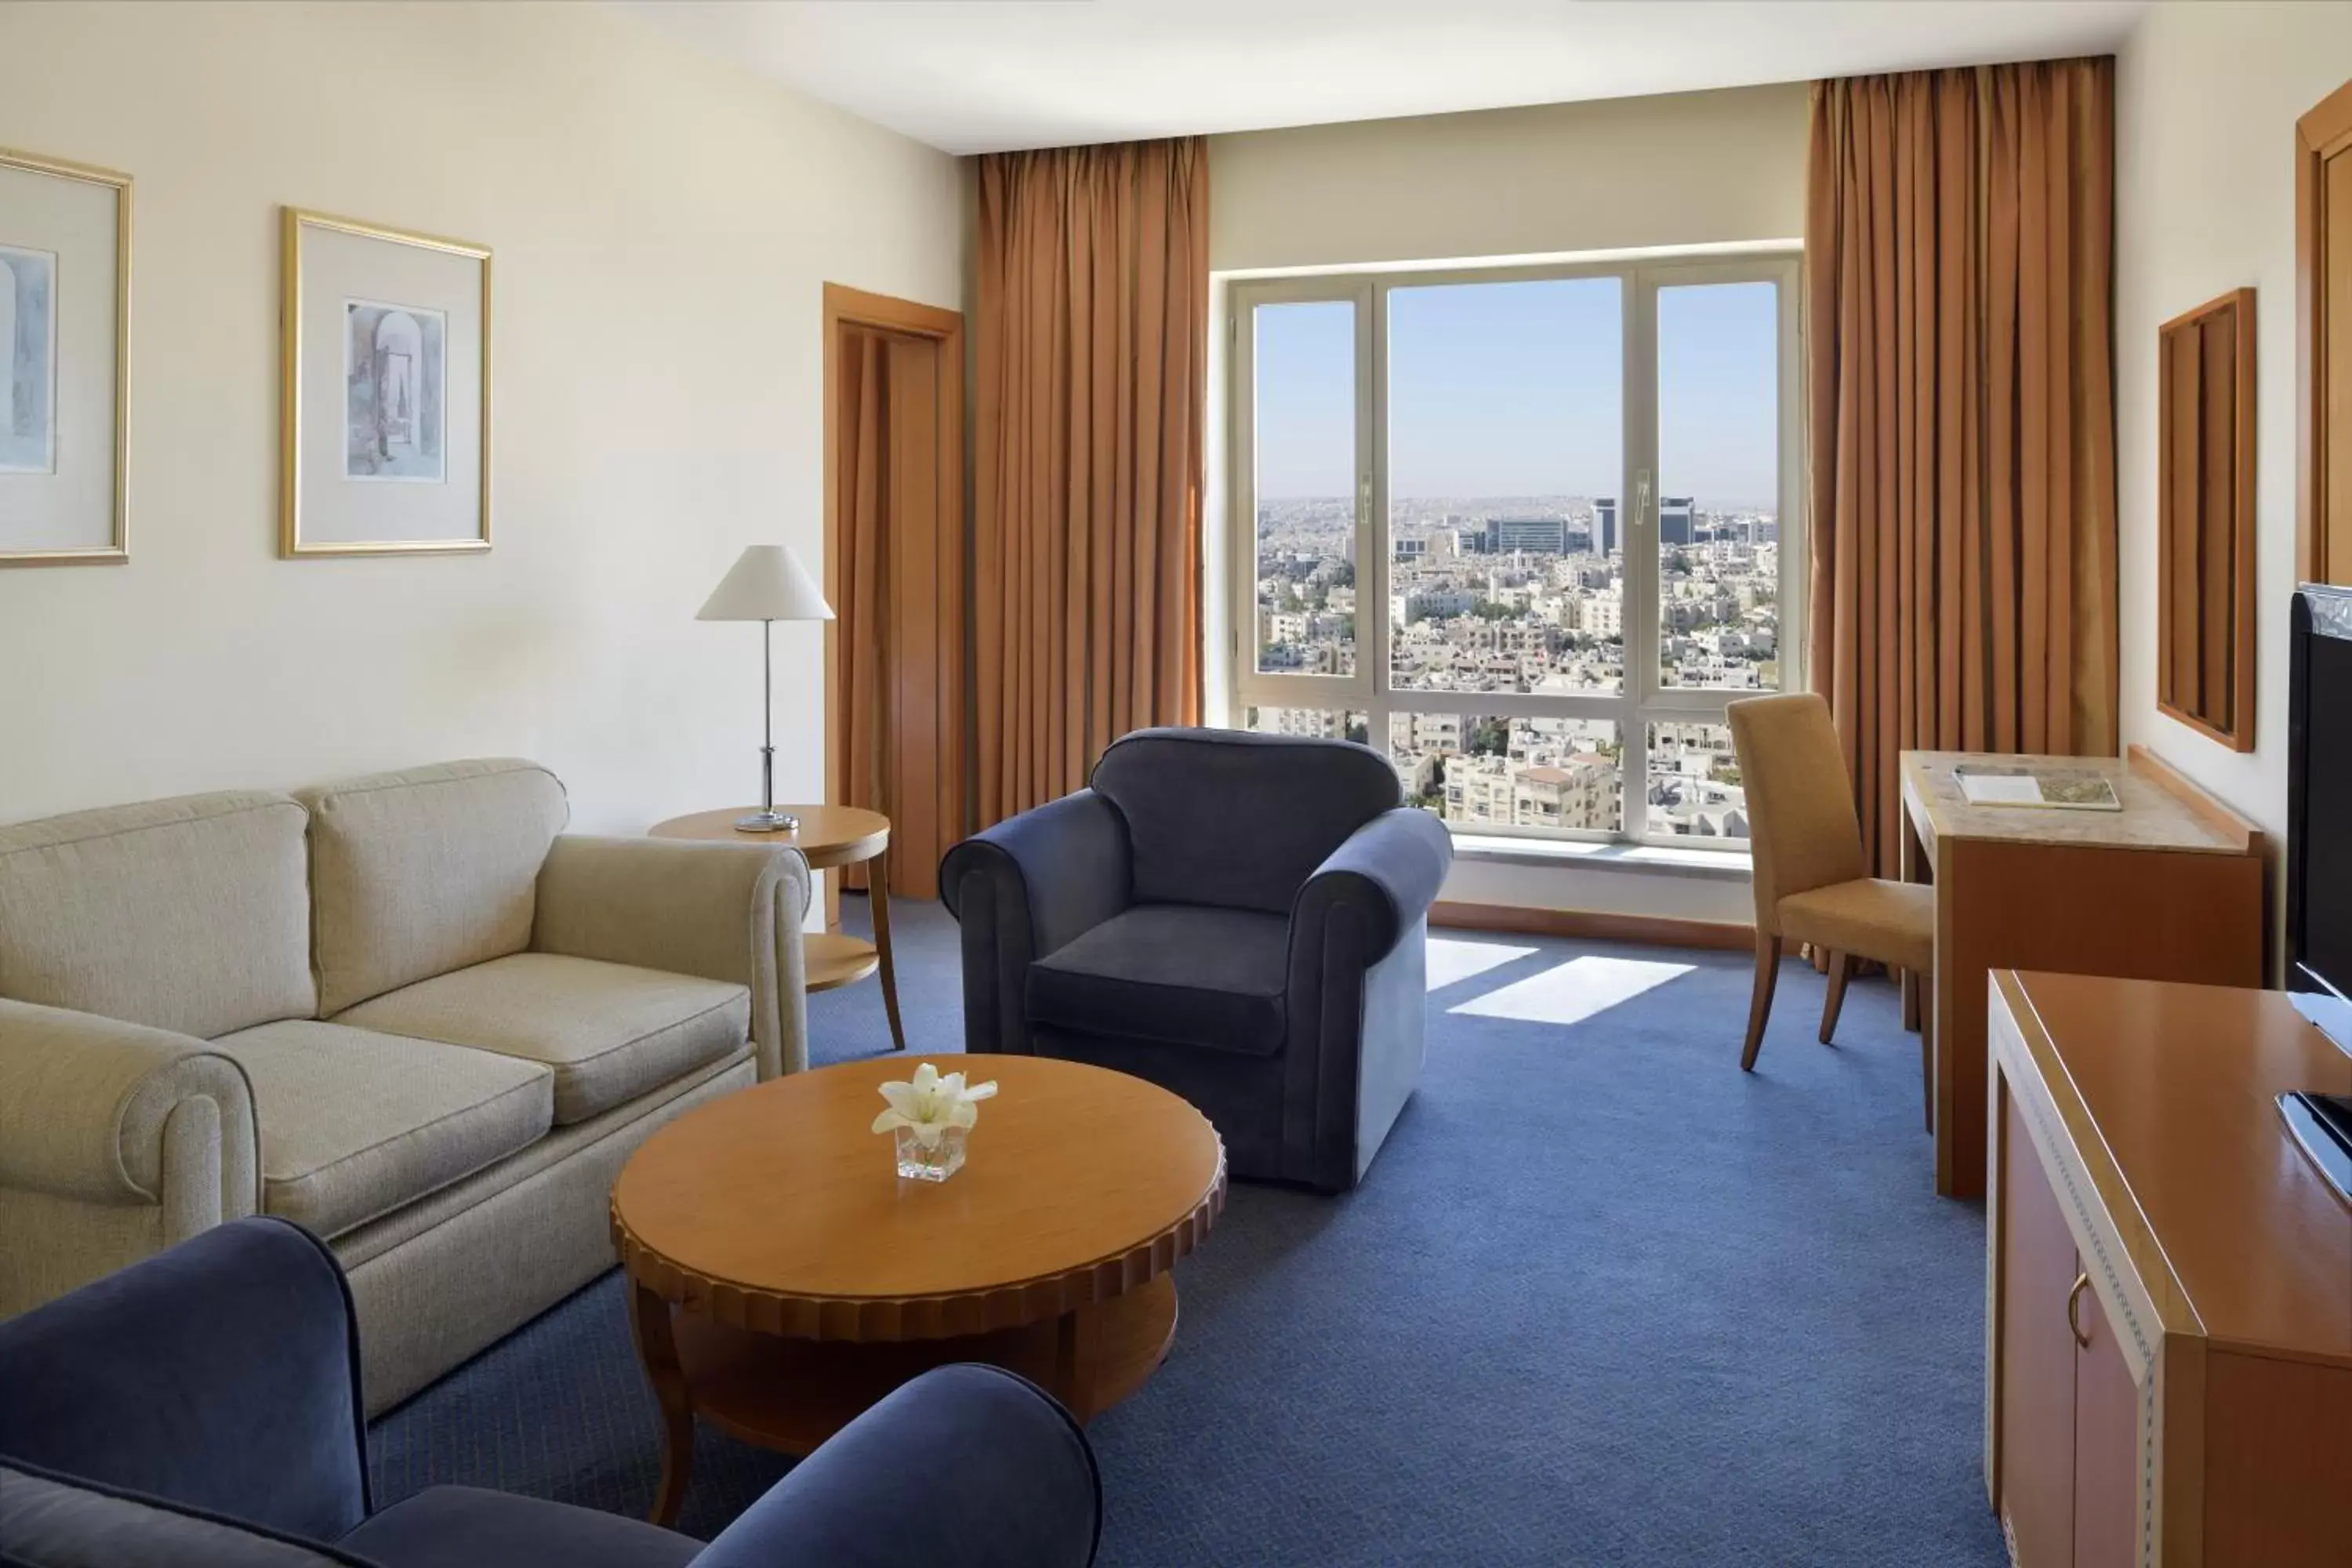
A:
{"x":724,"y":912}
{"x":1355,"y":994}
{"x":1025,"y":888}
{"x":966,"y":1464}
{"x":1386,"y":874}
{"x":100,"y":1112}
{"x":222,"y":1375}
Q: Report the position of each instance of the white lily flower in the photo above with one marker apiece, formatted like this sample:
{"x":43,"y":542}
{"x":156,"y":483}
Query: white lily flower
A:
{"x":932,"y":1103}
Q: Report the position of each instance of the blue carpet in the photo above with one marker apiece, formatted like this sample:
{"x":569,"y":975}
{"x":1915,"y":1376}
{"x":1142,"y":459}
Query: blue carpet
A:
{"x":1601,"y":1299}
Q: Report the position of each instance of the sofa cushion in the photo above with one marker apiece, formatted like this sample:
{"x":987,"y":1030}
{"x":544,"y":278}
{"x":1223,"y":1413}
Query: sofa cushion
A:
{"x":191,"y":915}
{"x":1218,"y":816}
{"x":444,"y":1525}
{"x":1185,"y":974}
{"x":609,"y":1031}
{"x":49,"y":1521}
{"x":355,"y":1124}
{"x":417,"y":873}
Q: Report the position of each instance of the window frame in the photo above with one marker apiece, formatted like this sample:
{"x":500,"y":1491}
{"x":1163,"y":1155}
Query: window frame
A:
{"x":1643,"y":697}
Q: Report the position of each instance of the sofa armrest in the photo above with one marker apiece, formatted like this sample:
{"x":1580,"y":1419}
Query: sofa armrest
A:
{"x":101,"y":1111}
{"x":222,"y":1375}
{"x":1387,"y":873}
{"x":1025,"y":888}
{"x":724,"y":912}
{"x":966,"y":1464}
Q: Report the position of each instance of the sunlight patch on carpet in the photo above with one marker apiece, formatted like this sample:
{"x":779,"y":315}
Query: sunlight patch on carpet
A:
{"x":1452,"y":961}
{"x":1573,"y":992}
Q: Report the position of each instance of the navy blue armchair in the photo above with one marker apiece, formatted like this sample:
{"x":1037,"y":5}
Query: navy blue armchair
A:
{"x":202,"y":1407}
{"x":1242,"y":919}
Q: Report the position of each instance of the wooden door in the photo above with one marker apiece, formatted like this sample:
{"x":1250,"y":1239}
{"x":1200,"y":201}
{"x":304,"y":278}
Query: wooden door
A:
{"x":2036,"y":1349}
{"x":2106,"y":1443}
{"x":2323,"y":179}
{"x":895,"y":576}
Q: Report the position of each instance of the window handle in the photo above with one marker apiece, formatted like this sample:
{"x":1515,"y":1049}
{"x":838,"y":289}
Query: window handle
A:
{"x":1641,"y":497}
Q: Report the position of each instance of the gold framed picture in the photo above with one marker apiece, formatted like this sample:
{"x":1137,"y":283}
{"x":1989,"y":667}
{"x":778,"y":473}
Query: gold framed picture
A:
{"x":384,"y":405}
{"x":64,"y":363}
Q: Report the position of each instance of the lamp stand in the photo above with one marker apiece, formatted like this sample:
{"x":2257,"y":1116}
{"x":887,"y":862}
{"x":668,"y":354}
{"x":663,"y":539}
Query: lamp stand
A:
{"x":767,"y":819}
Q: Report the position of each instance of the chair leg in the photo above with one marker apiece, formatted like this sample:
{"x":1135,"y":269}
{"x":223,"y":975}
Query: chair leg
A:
{"x":1760,"y":1006}
{"x":1841,"y":970}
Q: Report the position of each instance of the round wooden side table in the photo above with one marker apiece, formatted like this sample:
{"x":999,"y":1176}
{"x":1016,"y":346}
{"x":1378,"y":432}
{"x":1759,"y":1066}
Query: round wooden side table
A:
{"x":783,"y":1277}
{"x":828,"y":837}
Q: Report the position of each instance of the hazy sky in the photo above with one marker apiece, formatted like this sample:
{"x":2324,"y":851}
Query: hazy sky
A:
{"x":1504,"y":389}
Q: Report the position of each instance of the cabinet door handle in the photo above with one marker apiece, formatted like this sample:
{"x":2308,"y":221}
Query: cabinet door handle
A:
{"x":2074,"y":1311}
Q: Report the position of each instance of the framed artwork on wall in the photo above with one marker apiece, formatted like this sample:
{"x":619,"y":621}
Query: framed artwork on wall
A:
{"x":384,"y":406}
{"x":2205,"y":519}
{"x":64,"y":363}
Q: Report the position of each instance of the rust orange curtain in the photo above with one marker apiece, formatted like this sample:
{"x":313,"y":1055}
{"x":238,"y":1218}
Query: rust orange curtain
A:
{"x":1093,"y":325}
{"x":862,"y":629}
{"x":1959,"y":385}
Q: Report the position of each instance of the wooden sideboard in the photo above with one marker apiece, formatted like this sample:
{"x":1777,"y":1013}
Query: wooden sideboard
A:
{"x":2168,"y":1282}
{"x":2169,"y":888}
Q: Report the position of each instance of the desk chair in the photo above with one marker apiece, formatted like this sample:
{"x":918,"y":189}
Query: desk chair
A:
{"x":1812,"y":882}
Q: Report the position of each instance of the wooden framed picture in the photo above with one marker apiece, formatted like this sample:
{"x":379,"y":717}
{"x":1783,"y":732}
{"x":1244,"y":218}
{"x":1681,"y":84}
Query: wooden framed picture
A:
{"x":384,"y":409}
{"x":2205,"y":519}
{"x":64,"y":363}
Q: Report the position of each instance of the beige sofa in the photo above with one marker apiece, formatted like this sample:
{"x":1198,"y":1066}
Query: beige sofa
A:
{"x":407,"y":1011}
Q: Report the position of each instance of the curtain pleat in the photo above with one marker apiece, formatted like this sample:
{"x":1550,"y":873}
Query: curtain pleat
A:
{"x":1961,"y":438}
{"x":1091,"y":337}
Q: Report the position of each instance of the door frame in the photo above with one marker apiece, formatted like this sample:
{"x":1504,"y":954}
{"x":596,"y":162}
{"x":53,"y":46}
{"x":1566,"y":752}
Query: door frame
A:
{"x":2321,"y":133}
{"x":856,"y":308}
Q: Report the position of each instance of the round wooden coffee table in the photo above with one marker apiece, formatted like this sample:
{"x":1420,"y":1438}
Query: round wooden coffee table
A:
{"x":784,"y":1277}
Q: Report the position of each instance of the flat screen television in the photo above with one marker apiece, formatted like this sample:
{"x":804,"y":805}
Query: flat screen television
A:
{"x":2319,"y":797}
{"x":2320,"y":860}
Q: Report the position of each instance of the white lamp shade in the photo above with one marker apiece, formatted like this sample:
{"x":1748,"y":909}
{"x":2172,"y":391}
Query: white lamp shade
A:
{"x":767,"y":582}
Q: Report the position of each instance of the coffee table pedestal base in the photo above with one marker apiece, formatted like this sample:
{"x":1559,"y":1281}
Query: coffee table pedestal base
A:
{"x":791,"y":1395}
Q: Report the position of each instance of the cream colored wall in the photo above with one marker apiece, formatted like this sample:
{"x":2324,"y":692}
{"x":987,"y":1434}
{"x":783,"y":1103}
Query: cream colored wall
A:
{"x":663,"y":224}
{"x":1636,"y":174}
{"x":2206,"y":101}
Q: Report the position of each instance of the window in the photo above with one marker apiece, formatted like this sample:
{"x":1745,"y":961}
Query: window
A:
{"x":1506,"y":524}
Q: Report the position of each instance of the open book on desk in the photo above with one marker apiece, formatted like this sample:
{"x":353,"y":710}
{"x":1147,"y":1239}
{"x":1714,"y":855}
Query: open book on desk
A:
{"x":2072,"y":789}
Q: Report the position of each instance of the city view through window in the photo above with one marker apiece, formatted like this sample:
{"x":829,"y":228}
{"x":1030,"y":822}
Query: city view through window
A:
{"x":1519,"y":592}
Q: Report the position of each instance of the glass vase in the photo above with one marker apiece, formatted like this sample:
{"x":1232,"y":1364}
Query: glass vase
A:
{"x":936,"y":1163}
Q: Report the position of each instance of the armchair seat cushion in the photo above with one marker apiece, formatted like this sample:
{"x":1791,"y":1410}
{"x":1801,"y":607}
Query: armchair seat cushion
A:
{"x":444,"y":1525}
{"x":1182,"y":973}
{"x":355,"y":1124}
{"x":608,"y":1032}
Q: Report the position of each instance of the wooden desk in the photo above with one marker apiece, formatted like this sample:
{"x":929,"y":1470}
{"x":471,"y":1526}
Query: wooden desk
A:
{"x":2171,"y":888}
{"x":2168,"y":1282}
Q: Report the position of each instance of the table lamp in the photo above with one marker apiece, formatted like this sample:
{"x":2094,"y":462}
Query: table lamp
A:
{"x":767,"y":585}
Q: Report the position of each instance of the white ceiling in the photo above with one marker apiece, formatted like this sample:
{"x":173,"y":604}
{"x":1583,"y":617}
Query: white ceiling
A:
{"x":979,"y":76}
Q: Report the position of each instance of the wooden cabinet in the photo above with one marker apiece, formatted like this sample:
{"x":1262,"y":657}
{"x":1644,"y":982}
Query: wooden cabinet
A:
{"x":2106,"y":1434}
{"x":2169,"y":1315}
{"x":2037,"y":1270}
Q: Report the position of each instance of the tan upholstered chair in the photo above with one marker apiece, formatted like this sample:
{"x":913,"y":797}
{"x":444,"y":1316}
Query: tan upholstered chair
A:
{"x":1812,"y":883}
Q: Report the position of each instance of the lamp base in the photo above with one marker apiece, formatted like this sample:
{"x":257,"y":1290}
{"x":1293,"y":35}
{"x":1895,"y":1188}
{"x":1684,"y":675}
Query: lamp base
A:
{"x":767,"y":822}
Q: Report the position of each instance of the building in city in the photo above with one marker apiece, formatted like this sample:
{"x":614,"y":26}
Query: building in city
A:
{"x":1536,"y":535}
{"x":1676,"y":520}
